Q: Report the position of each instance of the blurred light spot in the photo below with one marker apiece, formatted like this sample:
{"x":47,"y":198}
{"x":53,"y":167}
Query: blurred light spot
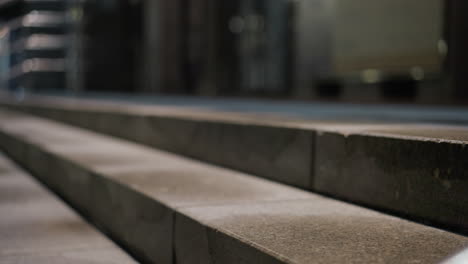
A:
{"x":417,"y":73}
{"x":442,"y":47}
{"x":370,"y":76}
{"x":77,"y":14}
{"x":3,"y":32}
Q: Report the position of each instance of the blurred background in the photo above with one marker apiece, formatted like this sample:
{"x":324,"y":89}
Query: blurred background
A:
{"x":411,"y":51}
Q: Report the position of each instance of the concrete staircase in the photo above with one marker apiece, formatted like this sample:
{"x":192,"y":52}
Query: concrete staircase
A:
{"x":265,"y":204}
{"x":35,"y":227}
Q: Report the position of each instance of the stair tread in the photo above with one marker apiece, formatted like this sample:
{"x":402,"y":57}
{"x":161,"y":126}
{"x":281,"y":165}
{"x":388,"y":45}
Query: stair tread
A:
{"x":416,"y":170}
{"x":208,"y":213}
{"x":35,"y":227}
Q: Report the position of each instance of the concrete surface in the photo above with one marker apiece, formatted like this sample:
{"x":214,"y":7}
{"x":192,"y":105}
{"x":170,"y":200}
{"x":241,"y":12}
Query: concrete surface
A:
{"x":314,"y":111}
{"x":412,"y":169}
{"x":36,"y":227}
{"x":170,"y":209}
{"x":316,"y":230}
{"x":424,"y":176}
{"x":255,"y":146}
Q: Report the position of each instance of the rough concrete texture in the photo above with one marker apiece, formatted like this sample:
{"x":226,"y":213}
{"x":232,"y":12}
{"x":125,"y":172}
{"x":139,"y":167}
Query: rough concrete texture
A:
{"x":421,"y":178}
{"x":251,"y":145}
{"x":105,"y":177}
{"x":35,"y":227}
{"x":170,"y":209}
{"x":415,"y":170}
{"x":318,"y":230}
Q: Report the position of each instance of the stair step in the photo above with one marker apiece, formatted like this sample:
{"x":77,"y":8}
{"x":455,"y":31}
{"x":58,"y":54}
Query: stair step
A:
{"x":418,"y":171}
{"x":165,"y":208}
{"x":35,"y":227}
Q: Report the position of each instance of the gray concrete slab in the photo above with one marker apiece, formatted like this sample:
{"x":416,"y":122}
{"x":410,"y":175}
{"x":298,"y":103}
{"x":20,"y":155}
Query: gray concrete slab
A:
{"x":105,"y":176}
{"x":418,"y":171}
{"x":305,"y":110}
{"x":36,"y":227}
{"x":317,"y":230}
{"x":96,"y":256}
{"x":411,"y":169}
{"x":166,"y":208}
{"x":255,"y":146}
